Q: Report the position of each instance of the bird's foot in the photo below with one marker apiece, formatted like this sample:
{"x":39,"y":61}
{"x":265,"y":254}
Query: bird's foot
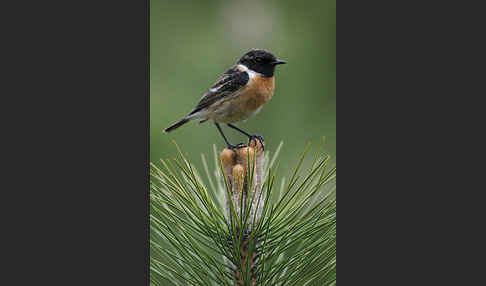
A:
{"x":237,"y":146}
{"x":256,"y":137}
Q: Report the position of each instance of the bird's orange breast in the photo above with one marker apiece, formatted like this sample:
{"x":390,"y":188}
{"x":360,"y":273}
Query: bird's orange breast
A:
{"x":258,"y":91}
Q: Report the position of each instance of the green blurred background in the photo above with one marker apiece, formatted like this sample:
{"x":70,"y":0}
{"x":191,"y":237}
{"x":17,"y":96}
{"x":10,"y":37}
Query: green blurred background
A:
{"x":193,"y":42}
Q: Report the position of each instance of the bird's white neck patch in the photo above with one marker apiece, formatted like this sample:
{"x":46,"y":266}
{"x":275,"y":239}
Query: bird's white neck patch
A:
{"x":250,"y":72}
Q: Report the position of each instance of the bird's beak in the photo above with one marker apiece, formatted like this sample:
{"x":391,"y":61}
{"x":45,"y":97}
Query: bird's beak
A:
{"x":279,"y":62}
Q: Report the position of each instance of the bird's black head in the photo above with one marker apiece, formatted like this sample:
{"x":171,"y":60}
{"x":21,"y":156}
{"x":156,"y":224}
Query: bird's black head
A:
{"x":261,"y":61}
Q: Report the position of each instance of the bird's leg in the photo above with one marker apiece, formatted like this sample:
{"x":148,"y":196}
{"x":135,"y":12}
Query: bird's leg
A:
{"x":236,"y":128}
{"x":230,"y":146}
{"x":250,"y":136}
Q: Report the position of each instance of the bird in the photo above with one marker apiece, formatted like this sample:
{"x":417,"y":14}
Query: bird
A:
{"x":238,"y":94}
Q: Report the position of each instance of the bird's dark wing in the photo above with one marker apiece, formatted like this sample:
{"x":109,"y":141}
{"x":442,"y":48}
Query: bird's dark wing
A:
{"x":229,"y":83}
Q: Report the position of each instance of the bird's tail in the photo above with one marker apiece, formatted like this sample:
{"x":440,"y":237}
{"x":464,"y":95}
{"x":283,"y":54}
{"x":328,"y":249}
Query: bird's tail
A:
{"x":177,"y":124}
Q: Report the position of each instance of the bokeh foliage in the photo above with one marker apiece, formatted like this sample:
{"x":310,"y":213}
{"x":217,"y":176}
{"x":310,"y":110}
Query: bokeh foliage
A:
{"x":192,"y":42}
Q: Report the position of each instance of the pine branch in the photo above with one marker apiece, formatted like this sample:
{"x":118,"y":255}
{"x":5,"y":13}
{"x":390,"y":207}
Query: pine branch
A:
{"x":242,"y":230}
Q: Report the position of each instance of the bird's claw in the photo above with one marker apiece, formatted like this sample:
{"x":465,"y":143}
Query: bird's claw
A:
{"x":259,"y":138}
{"x":237,"y":146}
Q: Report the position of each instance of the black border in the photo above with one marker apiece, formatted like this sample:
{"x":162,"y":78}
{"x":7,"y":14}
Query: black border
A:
{"x":408,"y":114}
{"x":76,"y":186}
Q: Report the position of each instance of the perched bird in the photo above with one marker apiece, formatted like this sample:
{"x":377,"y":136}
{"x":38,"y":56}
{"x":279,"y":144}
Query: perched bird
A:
{"x":238,"y":94}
